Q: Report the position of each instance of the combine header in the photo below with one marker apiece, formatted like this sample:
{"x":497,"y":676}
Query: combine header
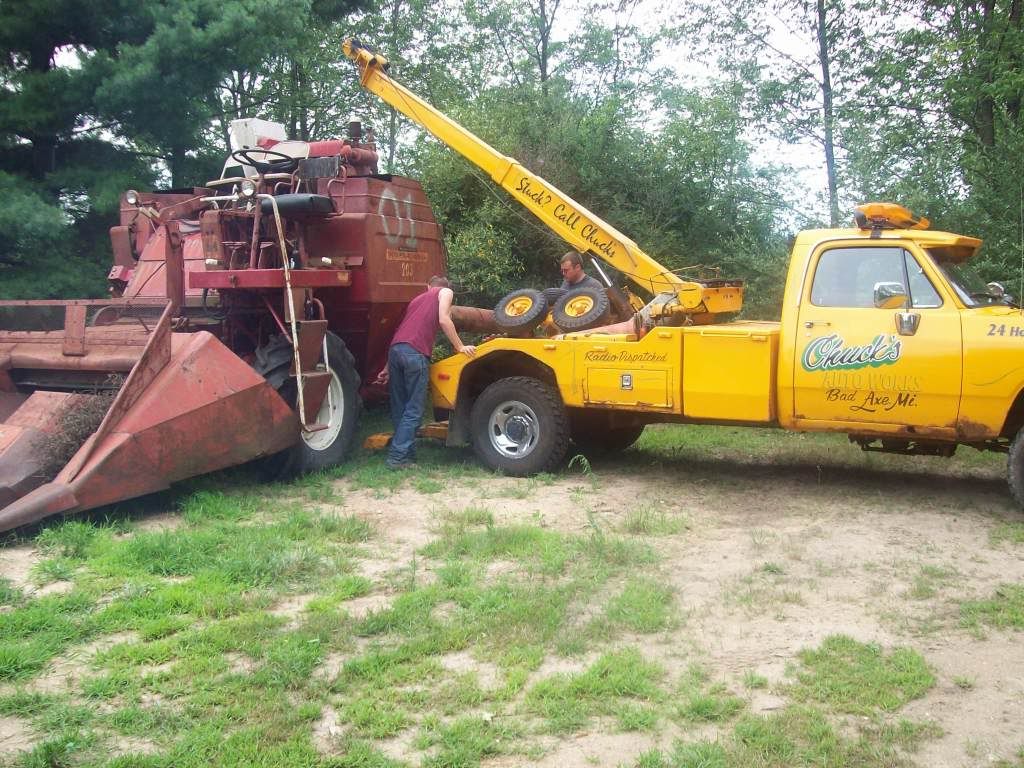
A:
{"x":244,"y":315}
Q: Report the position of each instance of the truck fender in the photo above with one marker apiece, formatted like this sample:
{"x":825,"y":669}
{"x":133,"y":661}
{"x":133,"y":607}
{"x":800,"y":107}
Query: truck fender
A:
{"x":481,"y":372}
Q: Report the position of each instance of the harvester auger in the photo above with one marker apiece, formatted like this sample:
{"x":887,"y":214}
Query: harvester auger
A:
{"x":244,"y":315}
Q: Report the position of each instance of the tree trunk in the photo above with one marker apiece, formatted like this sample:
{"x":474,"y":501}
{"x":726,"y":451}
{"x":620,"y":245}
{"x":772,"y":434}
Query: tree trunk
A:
{"x":828,"y":116}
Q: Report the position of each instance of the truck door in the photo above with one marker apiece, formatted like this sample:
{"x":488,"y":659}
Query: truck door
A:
{"x":853,"y":363}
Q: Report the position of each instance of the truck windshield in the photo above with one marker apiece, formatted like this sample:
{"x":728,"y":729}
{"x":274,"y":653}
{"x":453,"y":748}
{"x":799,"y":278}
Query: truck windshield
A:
{"x":968,"y":286}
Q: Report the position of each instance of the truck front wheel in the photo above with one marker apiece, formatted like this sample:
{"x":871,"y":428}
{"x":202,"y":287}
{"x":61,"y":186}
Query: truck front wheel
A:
{"x":520,"y":426}
{"x":1015,"y":468}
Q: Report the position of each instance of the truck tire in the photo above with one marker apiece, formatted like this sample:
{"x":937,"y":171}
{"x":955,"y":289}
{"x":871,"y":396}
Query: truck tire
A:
{"x":593,"y":435}
{"x":340,"y":410}
{"x":580,"y":309}
{"x":521,"y":311}
{"x":554,"y":294}
{"x":520,"y":426}
{"x":1015,"y":468}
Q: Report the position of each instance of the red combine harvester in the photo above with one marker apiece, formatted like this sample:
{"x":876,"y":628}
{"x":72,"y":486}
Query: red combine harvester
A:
{"x":244,"y":315}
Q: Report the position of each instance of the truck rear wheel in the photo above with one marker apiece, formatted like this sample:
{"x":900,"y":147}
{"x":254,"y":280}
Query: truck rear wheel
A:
{"x":339,"y":411}
{"x":1015,"y":468}
{"x":520,"y":426}
{"x":593,"y":434}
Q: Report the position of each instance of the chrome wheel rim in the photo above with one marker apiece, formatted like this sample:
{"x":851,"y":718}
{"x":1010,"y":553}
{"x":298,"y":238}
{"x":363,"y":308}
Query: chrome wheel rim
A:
{"x":513,"y":429}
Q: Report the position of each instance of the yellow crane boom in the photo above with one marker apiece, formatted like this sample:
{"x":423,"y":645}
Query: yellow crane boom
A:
{"x":583,"y":230}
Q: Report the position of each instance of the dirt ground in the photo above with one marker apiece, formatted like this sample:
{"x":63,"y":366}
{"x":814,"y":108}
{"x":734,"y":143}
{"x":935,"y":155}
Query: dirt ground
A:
{"x":854,"y":549}
{"x":885,"y":555}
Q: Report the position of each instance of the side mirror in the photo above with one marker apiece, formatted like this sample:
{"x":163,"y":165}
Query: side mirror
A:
{"x":890,"y":296}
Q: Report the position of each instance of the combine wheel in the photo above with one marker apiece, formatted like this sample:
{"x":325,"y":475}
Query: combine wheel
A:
{"x":520,"y":311}
{"x":581,"y":308}
{"x":520,"y":426}
{"x":594,"y":435}
{"x":1015,"y":468}
{"x":340,"y":409}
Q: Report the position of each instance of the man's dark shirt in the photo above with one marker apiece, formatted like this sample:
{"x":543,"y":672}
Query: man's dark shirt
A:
{"x":586,"y":282}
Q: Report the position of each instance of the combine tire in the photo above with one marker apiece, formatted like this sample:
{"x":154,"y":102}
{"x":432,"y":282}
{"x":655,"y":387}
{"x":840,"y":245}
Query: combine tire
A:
{"x":340,"y":410}
{"x":520,"y":426}
{"x":593,"y":435}
{"x":521,"y":311}
{"x":1015,"y":468}
{"x":580,"y":309}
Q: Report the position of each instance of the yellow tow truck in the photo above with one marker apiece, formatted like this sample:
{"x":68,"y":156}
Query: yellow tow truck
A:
{"x":883,"y":337}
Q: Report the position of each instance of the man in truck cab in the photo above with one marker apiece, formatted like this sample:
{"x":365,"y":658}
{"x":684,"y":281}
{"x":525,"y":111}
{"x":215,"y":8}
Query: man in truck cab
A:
{"x":573,"y":275}
{"x":408,"y":370}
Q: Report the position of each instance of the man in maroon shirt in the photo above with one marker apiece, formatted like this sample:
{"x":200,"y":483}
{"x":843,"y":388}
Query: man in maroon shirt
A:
{"x":408,"y":368}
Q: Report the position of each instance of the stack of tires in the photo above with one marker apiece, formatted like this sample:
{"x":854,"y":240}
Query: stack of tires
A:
{"x":576,"y":309}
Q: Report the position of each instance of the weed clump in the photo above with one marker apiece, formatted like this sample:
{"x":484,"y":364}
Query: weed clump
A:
{"x":80,"y":417}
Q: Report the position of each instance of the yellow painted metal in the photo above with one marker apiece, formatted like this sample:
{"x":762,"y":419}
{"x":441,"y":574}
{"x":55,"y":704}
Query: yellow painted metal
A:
{"x":377,"y":442}
{"x":583,"y":230}
{"x":914,"y":380}
{"x":729,"y":371}
{"x":919,"y":391}
{"x":578,"y":306}
{"x":620,"y":372}
{"x":955,"y":379}
{"x":437,"y":430}
{"x":518,"y":306}
{"x":890,"y":216}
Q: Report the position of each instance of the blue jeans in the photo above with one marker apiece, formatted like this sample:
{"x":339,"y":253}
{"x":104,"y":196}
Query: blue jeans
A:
{"x":408,"y":374}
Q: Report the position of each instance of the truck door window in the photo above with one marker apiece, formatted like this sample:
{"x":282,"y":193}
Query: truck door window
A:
{"x":846,"y":277}
{"x":922,"y":293}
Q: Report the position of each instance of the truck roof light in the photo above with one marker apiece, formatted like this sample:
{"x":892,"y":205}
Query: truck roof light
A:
{"x":888,"y":216}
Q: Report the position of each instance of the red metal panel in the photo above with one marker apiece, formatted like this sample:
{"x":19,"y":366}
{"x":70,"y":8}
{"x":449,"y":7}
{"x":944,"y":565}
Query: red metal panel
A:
{"x":226,"y":279}
{"x":175,"y":268}
{"x":121,"y":245}
{"x":205,"y":410}
{"x":311,"y":343}
{"x":154,"y":359}
{"x":74,"y":330}
{"x":314,"y":389}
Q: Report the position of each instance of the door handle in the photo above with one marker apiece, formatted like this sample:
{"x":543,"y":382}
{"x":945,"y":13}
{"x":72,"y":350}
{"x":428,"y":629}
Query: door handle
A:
{"x":907,"y":323}
{"x":812,"y":323}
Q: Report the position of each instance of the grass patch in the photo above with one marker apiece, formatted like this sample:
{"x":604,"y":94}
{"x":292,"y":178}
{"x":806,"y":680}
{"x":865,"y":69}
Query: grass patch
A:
{"x":797,"y":737}
{"x":764,"y":590}
{"x":428,"y":485}
{"x":753,"y":681}
{"x":375,"y":718}
{"x":1010,"y":533}
{"x":1004,"y":610}
{"x":643,"y":606}
{"x":859,"y":678}
{"x":464,"y":742}
{"x":636,"y":717}
{"x":546,"y":551}
{"x":36,"y":631}
{"x":928,"y":580}
{"x":653,"y":522}
{"x":567,"y":702}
